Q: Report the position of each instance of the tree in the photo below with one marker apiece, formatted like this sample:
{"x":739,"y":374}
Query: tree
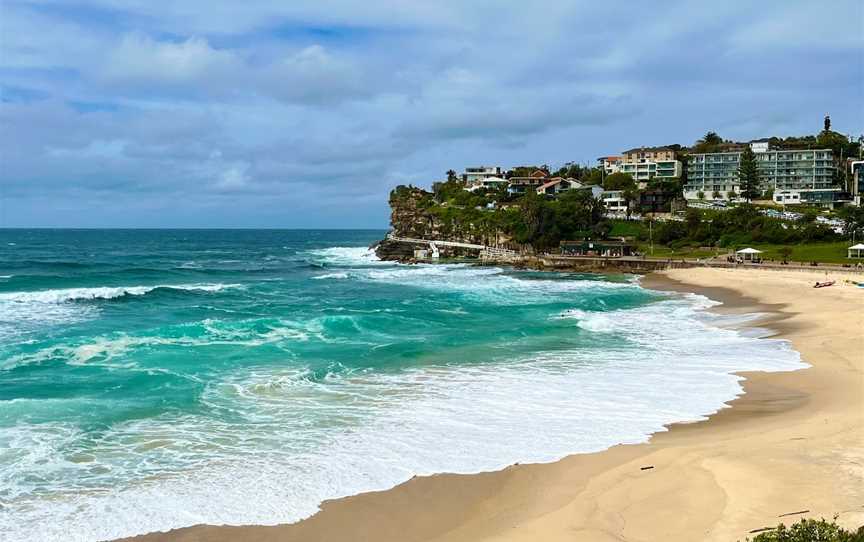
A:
{"x":451,"y":175}
{"x":785,"y":253}
{"x":732,"y":195}
{"x":748,"y":175}
{"x":593,"y":176}
{"x":700,"y":195}
{"x":853,"y":222}
{"x":717,"y":195}
{"x":619,"y":181}
{"x":693,"y":218}
{"x":711,"y":138}
{"x":708,"y":142}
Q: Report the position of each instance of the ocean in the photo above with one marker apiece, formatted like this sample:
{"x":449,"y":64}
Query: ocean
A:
{"x":153,"y":379}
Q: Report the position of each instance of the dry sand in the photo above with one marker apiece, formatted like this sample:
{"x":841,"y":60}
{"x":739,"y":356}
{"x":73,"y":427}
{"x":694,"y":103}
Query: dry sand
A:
{"x":792,"y":446}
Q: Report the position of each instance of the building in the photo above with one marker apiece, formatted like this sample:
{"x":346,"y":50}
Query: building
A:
{"x":610,"y":164}
{"x":655,"y":200}
{"x":595,"y":190}
{"x":644,"y":164}
{"x":787,"y":197}
{"x":597,"y":249}
{"x":614,"y":201}
{"x":856,"y":182}
{"x":536,"y":179}
{"x":473,"y":174}
{"x":642,"y":172}
{"x":809,"y":172}
{"x":556,"y":185}
{"x":649,"y":154}
{"x":486,"y":183}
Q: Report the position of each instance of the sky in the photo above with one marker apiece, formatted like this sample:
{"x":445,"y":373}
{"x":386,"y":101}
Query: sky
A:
{"x":304,"y":114}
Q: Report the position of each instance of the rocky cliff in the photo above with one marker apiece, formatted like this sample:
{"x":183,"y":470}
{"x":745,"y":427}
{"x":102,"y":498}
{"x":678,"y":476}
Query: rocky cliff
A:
{"x":415,"y":214}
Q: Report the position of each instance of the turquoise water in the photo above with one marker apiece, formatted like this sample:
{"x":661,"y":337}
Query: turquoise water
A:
{"x":157,"y":379}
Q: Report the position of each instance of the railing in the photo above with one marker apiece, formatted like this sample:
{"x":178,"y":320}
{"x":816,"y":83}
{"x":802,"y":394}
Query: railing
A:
{"x":435,"y":242}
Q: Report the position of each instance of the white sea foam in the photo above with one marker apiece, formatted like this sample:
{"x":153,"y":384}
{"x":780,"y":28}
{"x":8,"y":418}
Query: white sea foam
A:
{"x":331,"y":276}
{"x":347,"y":256}
{"x":490,"y":285}
{"x":18,"y":310}
{"x":323,"y":438}
{"x":117,"y":350}
{"x":64,"y":295}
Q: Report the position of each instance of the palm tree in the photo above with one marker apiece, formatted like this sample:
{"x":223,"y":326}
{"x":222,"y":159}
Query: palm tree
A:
{"x":711,"y":138}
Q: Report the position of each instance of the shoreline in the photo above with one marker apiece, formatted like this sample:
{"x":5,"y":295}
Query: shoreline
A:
{"x":706,"y":480}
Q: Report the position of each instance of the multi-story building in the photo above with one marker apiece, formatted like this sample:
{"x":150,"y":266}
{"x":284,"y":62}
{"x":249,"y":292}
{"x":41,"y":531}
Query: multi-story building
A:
{"x":518,"y":185}
{"x":808,"y":172}
{"x":473,"y":174}
{"x":649,"y":154}
{"x":642,"y":172}
{"x":646,"y":163}
{"x":614,"y":201}
{"x":610,"y":164}
{"x":856,"y":182}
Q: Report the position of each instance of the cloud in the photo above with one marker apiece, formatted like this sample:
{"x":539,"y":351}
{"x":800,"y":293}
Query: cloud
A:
{"x":140,"y":59}
{"x":313,"y":75}
{"x":280,"y":113}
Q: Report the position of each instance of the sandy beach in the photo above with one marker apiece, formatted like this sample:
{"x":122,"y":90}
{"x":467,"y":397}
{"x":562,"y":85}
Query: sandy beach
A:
{"x":791,"y":446}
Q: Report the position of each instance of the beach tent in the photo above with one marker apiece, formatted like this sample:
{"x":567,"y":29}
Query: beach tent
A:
{"x":749,"y":254}
{"x":855,"y":251}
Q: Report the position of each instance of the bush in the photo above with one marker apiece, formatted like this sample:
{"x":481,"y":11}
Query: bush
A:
{"x":811,"y":530}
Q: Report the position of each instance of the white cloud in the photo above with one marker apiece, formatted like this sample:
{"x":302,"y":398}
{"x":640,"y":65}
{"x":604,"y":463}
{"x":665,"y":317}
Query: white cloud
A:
{"x":141,"y":59}
{"x":314,"y":75}
{"x":235,"y":177}
{"x":366,"y":95}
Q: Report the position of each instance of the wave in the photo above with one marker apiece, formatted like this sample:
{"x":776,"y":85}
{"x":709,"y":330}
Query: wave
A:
{"x":494,"y":285}
{"x":295,"y":437}
{"x":331,"y":276}
{"x":65,"y":295}
{"x":346,"y":256}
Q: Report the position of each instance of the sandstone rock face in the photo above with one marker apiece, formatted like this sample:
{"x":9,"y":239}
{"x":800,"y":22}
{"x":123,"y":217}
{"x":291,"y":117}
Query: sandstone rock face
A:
{"x":409,"y":216}
{"x":416,"y":215}
{"x":395,"y":251}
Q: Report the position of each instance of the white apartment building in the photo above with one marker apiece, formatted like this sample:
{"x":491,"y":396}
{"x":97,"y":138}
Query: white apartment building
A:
{"x":473,"y":174}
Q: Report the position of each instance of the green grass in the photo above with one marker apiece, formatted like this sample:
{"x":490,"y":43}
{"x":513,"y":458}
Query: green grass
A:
{"x":661,"y":251}
{"x":625,"y":228}
{"x":834,"y":252}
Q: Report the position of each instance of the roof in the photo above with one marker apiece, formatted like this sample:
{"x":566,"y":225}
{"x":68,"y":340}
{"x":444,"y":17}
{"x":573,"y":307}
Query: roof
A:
{"x":748,"y":250}
{"x":859,"y":246}
{"x":549,"y":184}
{"x":649,"y":149}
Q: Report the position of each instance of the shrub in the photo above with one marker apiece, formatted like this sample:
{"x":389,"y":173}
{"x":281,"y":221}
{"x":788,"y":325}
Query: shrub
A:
{"x":811,"y":530}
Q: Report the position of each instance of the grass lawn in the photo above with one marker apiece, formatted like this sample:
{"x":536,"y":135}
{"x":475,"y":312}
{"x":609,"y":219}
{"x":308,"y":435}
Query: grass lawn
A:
{"x":661,"y":251}
{"x":814,"y":252}
{"x":627,"y":228}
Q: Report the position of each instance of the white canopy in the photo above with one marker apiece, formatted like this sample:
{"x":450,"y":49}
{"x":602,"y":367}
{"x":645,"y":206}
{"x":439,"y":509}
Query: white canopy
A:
{"x":856,"y":250}
{"x":748,"y":250}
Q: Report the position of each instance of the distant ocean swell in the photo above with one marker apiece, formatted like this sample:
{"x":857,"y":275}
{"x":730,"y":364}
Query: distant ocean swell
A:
{"x":322,"y":381}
